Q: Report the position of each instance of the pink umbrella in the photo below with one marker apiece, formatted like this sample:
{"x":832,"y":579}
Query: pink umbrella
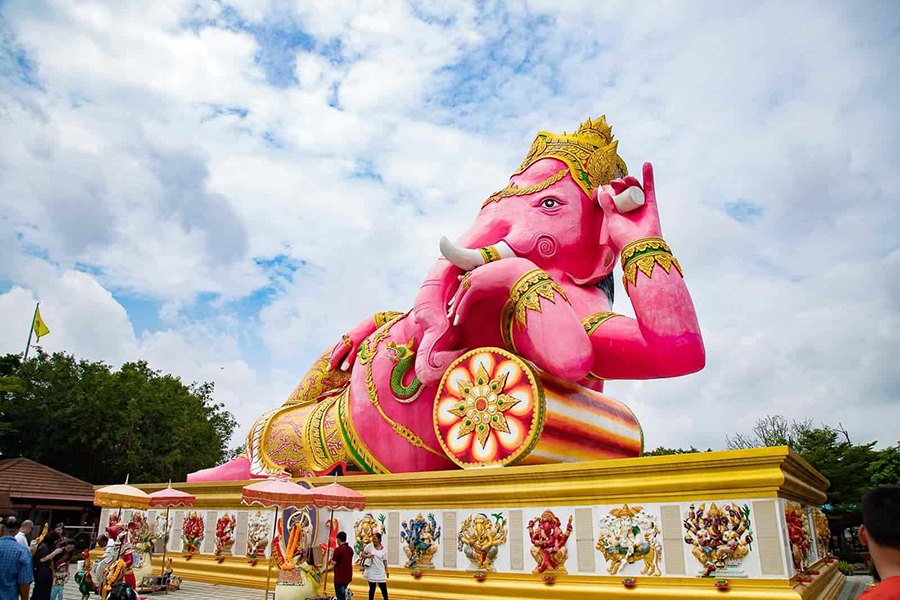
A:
{"x":276,"y":492}
{"x":333,"y":496}
{"x":170,"y":497}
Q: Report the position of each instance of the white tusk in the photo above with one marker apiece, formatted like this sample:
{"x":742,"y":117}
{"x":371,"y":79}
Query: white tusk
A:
{"x":468,"y":259}
{"x":630,"y":199}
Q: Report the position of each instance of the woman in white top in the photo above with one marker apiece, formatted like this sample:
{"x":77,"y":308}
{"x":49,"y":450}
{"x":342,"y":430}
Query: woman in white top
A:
{"x":374,"y":555}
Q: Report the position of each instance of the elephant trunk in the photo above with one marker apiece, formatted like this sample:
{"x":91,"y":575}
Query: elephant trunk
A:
{"x":430,"y":311}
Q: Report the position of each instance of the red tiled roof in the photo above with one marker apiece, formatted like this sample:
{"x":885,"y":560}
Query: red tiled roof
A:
{"x":25,"y":478}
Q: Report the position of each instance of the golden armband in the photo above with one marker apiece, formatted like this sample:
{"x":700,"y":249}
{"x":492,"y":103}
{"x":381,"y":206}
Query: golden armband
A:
{"x":526,"y":294}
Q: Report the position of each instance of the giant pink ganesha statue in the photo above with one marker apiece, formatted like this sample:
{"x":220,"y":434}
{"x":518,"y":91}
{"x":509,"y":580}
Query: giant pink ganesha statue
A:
{"x":503,"y":357}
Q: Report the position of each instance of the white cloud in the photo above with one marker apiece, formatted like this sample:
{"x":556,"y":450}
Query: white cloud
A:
{"x":150,"y":146}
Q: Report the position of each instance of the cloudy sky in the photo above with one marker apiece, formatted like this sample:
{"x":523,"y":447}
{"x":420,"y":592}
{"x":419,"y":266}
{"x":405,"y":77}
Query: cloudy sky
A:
{"x":223,"y":188}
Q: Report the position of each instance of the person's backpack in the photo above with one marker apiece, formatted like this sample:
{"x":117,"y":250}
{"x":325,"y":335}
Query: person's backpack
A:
{"x":122,"y":591}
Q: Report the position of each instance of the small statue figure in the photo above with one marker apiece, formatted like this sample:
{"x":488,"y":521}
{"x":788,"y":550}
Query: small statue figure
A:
{"x":549,"y":543}
{"x":142,"y":537}
{"x":480,"y":540}
{"x":224,"y":536}
{"x":192,"y":534}
{"x":823,"y":532}
{"x":364,"y":529}
{"x":173,"y":581}
{"x":420,"y":541}
{"x":257,"y":537}
{"x":721,"y":538}
{"x":798,"y":533}
{"x":84,"y":579}
{"x":629,"y":535}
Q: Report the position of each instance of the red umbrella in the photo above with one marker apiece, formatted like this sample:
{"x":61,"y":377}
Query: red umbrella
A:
{"x":277,"y":492}
{"x":170,"y":497}
{"x":333,"y":496}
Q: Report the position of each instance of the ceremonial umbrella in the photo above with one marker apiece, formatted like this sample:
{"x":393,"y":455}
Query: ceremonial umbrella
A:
{"x":333,"y":496}
{"x":121,"y":496}
{"x":278,"y":492}
{"x":170,"y":497}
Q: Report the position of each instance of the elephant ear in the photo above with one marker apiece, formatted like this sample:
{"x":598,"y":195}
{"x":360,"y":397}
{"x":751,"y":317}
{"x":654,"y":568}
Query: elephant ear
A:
{"x":604,"y":260}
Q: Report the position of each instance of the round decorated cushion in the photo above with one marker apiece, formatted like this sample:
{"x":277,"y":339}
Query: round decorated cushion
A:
{"x":489,"y":409}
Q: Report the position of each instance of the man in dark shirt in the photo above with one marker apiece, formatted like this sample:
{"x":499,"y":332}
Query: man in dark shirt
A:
{"x":343,"y":566}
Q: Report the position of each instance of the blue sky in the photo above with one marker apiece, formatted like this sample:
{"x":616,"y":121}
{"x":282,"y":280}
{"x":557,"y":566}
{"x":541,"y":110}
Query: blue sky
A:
{"x":224,"y":188}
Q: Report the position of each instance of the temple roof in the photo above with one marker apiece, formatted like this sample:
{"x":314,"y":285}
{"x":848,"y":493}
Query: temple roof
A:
{"x":24,"y":478}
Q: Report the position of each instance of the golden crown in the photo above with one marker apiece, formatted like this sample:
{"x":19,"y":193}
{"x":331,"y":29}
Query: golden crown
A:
{"x":590,"y":154}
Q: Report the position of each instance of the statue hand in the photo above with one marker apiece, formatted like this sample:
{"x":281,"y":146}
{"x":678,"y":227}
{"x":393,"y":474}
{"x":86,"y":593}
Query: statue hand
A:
{"x":641,"y":222}
{"x":344,"y":352}
{"x":493,"y":279}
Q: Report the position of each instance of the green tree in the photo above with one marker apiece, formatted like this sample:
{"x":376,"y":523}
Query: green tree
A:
{"x":886,"y":466}
{"x":85,"y":419}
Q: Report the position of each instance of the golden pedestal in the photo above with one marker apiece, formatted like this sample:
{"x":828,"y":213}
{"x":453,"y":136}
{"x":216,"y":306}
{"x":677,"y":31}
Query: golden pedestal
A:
{"x":658,"y":493}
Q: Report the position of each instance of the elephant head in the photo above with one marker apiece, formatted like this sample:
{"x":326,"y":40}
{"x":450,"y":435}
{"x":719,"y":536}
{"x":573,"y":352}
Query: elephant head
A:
{"x":548,"y":214}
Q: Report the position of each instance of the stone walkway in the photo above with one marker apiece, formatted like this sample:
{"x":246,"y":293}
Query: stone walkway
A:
{"x":855,"y":586}
{"x":190,"y":590}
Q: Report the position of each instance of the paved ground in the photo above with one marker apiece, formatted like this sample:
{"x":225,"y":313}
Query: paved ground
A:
{"x":855,"y":586}
{"x":202,"y":591}
{"x":189,"y":591}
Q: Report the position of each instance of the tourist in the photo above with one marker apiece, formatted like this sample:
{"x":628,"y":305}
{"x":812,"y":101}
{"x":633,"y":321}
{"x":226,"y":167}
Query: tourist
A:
{"x":101,"y":568}
{"x":15,"y":564}
{"x":343,"y":566}
{"x":43,"y":566}
{"x":374,"y":557}
{"x":61,"y":568}
{"x":24,"y":532}
{"x":880,"y":532}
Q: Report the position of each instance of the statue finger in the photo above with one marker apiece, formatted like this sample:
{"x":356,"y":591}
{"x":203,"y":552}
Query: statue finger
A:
{"x":649,"y":184}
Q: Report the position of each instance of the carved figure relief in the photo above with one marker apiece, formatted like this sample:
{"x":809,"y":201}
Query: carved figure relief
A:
{"x":364,"y":529}
{"x":823,"y":531}
{"x":548,"y":543}
{"x":224,"y":536}
{"x":257,"y":537}
{"x":721,"y":537}
{"x":629,"y":535}
{"x":798,"y":534}
{"x":420,"y":538}
{"x":480,"y":540}
{"x":192,"y":533}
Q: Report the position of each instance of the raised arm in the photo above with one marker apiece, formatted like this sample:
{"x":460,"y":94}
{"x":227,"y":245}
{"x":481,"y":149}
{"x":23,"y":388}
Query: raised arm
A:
{"x":664,"y":340}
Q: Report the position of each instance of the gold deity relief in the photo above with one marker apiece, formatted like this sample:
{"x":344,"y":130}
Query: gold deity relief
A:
{"x":630,"y":535}
{"x":721,"y":537}
{"x":480,"y":539}
{"x":365,"y":528}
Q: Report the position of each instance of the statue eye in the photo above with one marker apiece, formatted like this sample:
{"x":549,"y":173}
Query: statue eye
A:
{"x":550,"y":203}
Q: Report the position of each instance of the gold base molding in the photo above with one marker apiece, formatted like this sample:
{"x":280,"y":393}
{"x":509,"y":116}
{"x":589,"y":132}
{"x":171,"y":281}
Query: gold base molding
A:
{"x":461,"y":585}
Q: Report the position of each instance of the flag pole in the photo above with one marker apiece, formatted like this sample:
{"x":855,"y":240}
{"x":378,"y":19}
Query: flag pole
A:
{"x":30,"y":331}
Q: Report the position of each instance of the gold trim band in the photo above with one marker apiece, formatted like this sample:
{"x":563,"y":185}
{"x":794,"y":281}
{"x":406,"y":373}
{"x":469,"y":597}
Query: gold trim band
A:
{"x":489,"y":254}
{"x":356,"y":448}
{"x":592,"y":322}
{"x":514,"y":190}
{"x":642,"y":245}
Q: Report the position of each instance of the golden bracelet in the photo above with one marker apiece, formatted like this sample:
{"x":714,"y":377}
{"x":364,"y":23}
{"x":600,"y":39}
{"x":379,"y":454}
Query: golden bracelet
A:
{"x":489,"y":254}
{"x":643,"y":255}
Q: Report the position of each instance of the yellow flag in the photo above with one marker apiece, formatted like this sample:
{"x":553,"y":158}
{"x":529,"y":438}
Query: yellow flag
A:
{"x":40,"y":328}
